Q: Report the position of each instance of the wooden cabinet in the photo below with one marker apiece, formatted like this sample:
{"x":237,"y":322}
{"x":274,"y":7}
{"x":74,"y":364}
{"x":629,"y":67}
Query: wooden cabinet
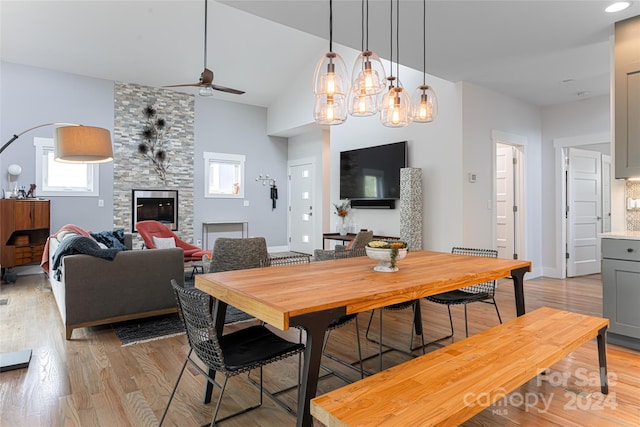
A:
{"x":627,"y":98}
{"x":24,"y":228}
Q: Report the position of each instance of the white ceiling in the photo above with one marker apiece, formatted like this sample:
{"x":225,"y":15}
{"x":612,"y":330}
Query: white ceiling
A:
{"x":544,"y":52}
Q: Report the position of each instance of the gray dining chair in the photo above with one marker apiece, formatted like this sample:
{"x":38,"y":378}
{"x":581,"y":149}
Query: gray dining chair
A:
{"x":483,"y":292}
{"x":343,"y":251}
{"x":230,"y":354}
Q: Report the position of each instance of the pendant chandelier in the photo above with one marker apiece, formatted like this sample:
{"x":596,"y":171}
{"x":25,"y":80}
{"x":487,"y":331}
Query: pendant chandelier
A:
{"x":425,"y":102}
{"x":330,"y":85}
{"x":368,"y":76}
{"x":395,"y":109}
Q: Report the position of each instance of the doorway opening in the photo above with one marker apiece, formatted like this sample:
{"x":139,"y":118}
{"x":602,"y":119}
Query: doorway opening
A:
{"x":509,"y":198}
{"x":583,"y":202}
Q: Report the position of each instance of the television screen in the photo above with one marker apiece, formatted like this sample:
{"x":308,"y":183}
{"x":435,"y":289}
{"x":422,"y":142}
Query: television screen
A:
{"x":373,"y":172}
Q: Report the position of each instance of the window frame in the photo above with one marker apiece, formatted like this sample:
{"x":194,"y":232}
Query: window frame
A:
{"x":44,"y":146}
{"x":224,"y":158}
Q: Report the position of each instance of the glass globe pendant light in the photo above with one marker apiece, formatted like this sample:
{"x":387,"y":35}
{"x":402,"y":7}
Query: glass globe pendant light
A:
{"x":368,"y":76}
{"x":425,"y":102}
{"x":395,"y":110}
{"x":330,"y":84}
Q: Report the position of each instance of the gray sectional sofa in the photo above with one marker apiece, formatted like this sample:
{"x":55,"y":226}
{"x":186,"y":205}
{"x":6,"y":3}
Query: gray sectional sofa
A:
{"x":95,"y":291}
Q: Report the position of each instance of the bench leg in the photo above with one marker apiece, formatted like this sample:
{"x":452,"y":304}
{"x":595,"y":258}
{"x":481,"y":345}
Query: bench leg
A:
{"x":602,"y":360}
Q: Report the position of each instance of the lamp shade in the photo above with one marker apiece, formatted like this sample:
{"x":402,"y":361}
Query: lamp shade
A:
{"x":368,"y":74}
{"x":14,"y":170}
{"x":425,"y":104}
{"x":395,"y":108}
{"x":330,"y":77}
{"x":82,"y":144}
{"x":330,"y":110}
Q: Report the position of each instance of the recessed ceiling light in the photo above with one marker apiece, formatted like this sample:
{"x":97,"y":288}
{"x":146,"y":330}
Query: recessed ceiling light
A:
{"x":617,"y":6}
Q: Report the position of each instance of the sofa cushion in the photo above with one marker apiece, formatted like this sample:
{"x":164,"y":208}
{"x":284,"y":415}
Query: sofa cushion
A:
{"x":164,"y":242}
{"x":111,"y":239}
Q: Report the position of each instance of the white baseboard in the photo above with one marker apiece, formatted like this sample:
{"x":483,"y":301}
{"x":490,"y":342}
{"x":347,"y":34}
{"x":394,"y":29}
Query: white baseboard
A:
{"x":272,"y":249}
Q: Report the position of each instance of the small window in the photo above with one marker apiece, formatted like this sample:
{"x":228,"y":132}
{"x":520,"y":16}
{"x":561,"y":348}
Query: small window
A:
{"x":224,"y":175}
{"x":63,"y":179}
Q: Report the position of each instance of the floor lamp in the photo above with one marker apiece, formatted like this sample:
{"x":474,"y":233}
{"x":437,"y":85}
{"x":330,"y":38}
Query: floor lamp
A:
{"x":73,"y":143}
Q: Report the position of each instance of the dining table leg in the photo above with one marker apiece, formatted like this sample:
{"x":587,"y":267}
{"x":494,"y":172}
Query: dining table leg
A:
{"x":315,"y":324}
{"x":518,"y":285}
{"x":219,"y":314}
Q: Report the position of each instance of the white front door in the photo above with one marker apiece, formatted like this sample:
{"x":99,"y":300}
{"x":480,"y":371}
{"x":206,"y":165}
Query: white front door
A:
{"x":584,"y":212}
{"x":301,"y":210}
{"x":505,"y":232}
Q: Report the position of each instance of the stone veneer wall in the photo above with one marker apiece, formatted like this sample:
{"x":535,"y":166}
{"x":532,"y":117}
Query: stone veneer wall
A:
{"x":411,"y":207}
{"x":132,"y":171}
{"x":632,"y":190}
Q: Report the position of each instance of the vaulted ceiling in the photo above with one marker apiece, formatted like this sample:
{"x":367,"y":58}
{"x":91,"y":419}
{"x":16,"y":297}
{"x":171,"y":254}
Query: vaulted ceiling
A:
{"x":543,"y":52}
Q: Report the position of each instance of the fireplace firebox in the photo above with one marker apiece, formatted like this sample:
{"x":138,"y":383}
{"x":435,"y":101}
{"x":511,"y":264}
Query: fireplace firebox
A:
{"x":157,"y":205}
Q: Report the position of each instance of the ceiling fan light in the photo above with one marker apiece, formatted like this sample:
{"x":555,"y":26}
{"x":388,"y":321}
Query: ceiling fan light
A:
{"x":206,"y":91}
{"x":425,"y":104}
{"x":368,"y":73}
{"x":330,"y":77}
{"x":330,"y":109}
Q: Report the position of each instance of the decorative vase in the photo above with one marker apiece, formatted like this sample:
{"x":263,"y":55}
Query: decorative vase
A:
{"x":342,"y":226}
{"x":384,"y":257}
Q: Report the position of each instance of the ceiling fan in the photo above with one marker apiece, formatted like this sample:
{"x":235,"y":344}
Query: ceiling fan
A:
{"x":206,"y":78}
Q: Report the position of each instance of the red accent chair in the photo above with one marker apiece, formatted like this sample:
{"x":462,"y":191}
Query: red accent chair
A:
{"x":150,"y":229}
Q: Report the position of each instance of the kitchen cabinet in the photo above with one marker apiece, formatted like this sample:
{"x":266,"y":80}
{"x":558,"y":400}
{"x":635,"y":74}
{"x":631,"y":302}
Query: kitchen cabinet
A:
{"x":621,"y":289}
{"x":627,"y":98}
{"x":24,"y":229}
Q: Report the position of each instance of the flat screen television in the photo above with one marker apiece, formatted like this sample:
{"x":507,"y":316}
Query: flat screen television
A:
{"x":370,"y":177}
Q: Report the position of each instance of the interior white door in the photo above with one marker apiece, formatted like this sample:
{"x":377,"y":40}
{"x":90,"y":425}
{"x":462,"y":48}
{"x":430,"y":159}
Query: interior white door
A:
{"x":301,"y":223}
{"x":584,"y":204}
{"x":606,"y":193}
{"x":504,"y":201}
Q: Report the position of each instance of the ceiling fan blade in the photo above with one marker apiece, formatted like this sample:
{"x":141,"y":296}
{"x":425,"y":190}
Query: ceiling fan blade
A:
{"x":186,"y":84}
{"x":227,"y":89}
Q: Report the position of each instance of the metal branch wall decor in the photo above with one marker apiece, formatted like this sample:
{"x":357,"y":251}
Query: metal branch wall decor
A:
{"x":153,"y":133}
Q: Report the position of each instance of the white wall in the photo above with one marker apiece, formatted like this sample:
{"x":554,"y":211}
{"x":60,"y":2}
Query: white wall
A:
{"x":34,"y":96}
{"x":485,"y":112}
{"x":228,"y":127}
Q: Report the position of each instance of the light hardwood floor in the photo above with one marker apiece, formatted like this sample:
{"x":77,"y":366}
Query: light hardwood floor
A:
{"x":93,"y":381}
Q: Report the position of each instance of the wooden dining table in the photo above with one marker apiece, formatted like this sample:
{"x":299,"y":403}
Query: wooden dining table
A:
{"x":312,"y":295}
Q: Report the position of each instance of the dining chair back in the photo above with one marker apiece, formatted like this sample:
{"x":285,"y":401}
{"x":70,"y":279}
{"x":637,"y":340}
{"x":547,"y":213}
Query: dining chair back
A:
{"x":483,"y":292}
{"x":231,"y":354}
{"x":237,"y":253}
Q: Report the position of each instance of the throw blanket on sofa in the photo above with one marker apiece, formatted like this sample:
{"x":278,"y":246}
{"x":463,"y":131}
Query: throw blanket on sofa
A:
{"x":79,"y":245}
{"x":44,"y":264}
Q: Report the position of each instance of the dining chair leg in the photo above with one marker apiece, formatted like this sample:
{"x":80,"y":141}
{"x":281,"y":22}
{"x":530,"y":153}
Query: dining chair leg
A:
{"x":497,"y":311}
{"x":175,"y":387}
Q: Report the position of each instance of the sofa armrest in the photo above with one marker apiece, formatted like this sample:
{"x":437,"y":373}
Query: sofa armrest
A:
{"x":134,"y":282}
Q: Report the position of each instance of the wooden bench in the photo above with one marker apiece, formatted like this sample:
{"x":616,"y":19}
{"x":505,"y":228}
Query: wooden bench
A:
{"x":452,"y":384}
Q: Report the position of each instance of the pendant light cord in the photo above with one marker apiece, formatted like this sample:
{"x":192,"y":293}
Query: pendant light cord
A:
{"x":362,"y":26}
{"x":398,"y":41}
{"x":391,"y":38}
{"x":367,"y":12}
{"x":424,"y":42}
{"x":330,"y":25}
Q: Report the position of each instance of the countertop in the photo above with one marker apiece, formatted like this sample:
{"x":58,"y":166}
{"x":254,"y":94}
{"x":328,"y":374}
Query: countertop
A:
{"x":629,"y":235}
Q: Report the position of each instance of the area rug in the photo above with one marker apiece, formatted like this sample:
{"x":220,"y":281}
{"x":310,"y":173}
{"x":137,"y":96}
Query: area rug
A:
{"x":159,"y":327}
{"x":169,"y":325}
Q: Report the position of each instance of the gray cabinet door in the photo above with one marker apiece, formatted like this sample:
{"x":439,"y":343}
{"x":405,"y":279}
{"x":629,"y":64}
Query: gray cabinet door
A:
{"x":621,"y":296}
{"x":627,"y":98}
